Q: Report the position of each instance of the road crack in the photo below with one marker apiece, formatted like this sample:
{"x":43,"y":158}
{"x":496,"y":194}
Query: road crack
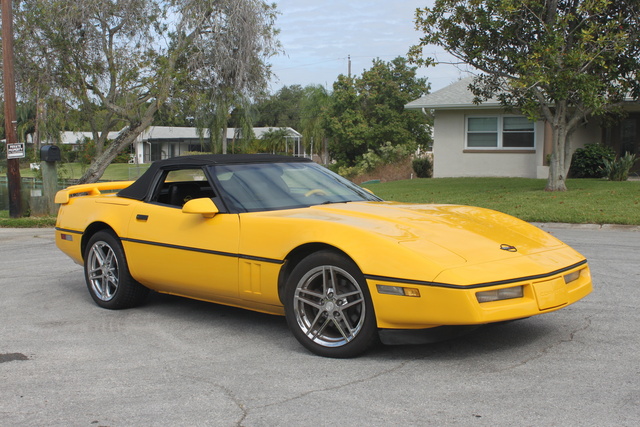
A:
{"x":344,"y":385}
{"x":546,"y":350}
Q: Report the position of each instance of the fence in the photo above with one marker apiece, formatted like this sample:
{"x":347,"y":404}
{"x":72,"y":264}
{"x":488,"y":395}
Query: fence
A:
{"x":31,"y":193}
{"x":33,"y":201}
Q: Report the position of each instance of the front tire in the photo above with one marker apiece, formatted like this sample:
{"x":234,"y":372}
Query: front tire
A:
{"x":328,"y":306}
{"x":107,"y":274}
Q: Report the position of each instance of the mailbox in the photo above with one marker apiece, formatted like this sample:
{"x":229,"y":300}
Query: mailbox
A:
{"x":50,"y":153}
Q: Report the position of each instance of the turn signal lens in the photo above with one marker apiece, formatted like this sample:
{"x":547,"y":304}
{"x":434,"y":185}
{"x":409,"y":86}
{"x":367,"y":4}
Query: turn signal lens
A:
{"x":572,"y":277}
{"x":398,"y":290}
{"x":500,"y":294}
{"x":411,"y":292}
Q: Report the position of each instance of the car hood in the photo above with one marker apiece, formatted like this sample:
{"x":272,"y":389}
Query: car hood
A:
{"x":475,"y":235}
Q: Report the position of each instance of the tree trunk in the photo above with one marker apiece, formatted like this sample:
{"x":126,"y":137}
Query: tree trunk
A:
{"x":325,"y":150}
{"x":560,"y":156}
{"x":41,"y":117}
{"x":557,"y":180}
{"x":101,"y":162}
{"x":223,"y":137}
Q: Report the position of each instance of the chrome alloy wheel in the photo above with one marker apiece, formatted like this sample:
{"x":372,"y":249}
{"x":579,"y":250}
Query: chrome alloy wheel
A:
{"x":329,"y":306}
{"x":103,"y":272}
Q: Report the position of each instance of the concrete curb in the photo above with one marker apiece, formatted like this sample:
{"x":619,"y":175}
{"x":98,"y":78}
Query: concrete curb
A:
{"x":562,"y":225}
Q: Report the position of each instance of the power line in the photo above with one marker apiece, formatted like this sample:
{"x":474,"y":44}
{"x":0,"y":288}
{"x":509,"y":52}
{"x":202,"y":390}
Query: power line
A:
{"x":344,"y":58}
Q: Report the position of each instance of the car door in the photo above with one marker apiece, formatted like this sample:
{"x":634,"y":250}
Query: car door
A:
{"x":183,"y":253}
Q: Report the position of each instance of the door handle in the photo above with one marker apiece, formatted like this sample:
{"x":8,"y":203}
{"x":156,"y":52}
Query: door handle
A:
{"x":140,"y":217}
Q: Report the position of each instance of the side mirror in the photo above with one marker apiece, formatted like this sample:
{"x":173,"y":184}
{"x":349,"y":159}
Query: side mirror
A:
{"x":204,"y":207}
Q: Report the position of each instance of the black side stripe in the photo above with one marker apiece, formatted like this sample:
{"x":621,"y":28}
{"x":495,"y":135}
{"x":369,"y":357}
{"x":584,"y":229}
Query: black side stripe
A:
{"x":367,"y":276}
{"x":66,"y":230}
{"x":204,"y":251}
{"x":477,"y":285}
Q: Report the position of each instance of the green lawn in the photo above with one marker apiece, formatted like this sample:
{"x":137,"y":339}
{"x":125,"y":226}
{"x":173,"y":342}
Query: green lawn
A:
{"x":588,"y":201}
{"x":114,"y":172}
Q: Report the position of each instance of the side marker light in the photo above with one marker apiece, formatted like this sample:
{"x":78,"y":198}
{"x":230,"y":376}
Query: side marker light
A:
{"x":398,"y":290}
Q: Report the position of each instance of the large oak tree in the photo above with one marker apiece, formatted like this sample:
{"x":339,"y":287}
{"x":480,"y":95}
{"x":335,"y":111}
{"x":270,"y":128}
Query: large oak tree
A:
{"x":558,"y":60}
{"x":119,"y":61}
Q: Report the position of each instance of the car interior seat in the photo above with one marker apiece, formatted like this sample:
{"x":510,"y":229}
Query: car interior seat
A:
{"x":181,"y":192}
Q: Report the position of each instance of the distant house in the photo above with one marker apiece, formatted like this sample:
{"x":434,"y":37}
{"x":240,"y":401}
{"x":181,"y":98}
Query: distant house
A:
{"x":481,"y":140}
{"x":163,"y":142}
{"x":77,"y":139}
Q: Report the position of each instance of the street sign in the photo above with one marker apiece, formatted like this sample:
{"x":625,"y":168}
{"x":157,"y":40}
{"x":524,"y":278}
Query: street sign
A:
{"x":15,"y":151}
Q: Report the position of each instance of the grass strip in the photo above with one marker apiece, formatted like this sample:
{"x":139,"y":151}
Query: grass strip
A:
{"x":588,"y":201}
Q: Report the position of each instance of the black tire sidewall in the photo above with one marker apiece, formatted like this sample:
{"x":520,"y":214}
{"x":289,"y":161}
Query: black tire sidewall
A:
{"x":368,"y":335}
{"x":129,"y":292}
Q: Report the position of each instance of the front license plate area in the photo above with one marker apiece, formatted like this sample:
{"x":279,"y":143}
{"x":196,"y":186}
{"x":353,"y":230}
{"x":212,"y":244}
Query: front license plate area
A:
{"x":551,"y":293}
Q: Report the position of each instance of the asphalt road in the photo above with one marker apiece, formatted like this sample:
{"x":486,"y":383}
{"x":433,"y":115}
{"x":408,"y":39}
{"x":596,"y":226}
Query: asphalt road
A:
{"x":176,"y":362}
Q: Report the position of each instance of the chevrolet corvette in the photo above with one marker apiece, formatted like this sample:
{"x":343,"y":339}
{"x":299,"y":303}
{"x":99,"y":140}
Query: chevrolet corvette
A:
{"x":286,"y":236}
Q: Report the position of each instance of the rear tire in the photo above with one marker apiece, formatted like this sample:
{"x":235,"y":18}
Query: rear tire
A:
{"x":328,"y":306}
{"x":107,"y":273}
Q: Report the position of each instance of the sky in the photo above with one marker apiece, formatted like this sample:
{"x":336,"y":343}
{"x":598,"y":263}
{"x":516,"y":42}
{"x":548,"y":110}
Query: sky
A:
{"x":318,"y":36}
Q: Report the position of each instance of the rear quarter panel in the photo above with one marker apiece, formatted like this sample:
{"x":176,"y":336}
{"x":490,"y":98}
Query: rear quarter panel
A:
{"x":80,"y":212}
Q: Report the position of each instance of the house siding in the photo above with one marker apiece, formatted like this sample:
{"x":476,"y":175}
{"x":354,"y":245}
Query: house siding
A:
{"x":450,"y":107}
{"x":451,"y":159}
{"x":590,"y":133}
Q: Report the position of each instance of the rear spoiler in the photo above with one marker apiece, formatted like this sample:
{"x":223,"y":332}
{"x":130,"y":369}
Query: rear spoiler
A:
{"x":95,"y":189}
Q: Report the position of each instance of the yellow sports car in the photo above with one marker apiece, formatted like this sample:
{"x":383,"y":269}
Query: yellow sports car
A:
{"x":286,"y":236}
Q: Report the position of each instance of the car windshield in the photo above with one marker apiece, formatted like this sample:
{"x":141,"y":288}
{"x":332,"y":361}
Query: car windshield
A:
{"x":271,"y":186}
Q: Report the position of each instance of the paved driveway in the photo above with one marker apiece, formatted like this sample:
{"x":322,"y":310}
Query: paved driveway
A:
{"x":176,"y":362}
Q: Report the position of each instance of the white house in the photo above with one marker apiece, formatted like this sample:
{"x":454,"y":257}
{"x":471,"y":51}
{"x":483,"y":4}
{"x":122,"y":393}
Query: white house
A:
{"x":162,"y":142}
{"x":483,"y":140}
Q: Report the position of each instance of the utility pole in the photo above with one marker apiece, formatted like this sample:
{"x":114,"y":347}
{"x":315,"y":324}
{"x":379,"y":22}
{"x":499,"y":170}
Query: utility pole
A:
{"x":11,"y":133}
{"x":349,"y":65}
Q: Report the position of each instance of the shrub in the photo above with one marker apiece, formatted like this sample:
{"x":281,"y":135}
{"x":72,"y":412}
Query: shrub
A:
{"x":68,"y":154}
{"x":385,"y":155}
{"x":618,"y":169}
{"x":423,"y":167}
{"x":87,"y":152}
{"x":123,"y":157}
{"x":588,"y":162}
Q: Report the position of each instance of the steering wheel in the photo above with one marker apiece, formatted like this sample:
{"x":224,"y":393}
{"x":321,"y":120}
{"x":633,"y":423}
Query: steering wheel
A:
{"x":314,"y":192}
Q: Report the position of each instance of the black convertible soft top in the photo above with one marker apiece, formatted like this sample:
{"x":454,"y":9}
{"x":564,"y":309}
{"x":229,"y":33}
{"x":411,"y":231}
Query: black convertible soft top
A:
{"x":139,"y":189}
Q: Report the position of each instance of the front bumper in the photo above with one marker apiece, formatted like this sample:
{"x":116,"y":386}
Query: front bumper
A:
{"x":441,"y":304}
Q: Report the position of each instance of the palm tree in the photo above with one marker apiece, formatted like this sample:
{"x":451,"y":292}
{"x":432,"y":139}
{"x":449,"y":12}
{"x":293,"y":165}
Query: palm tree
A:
{"x":313,"y":109}
{"x":275,"y":140}
{"x":26,"y":120}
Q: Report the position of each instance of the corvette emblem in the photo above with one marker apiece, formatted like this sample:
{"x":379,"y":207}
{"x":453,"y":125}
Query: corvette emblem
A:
{"x":508,"y":248}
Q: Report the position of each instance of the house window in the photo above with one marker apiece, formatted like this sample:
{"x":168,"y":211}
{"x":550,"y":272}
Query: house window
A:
{"x":500,"y":132}
{"x":482,"y":132}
